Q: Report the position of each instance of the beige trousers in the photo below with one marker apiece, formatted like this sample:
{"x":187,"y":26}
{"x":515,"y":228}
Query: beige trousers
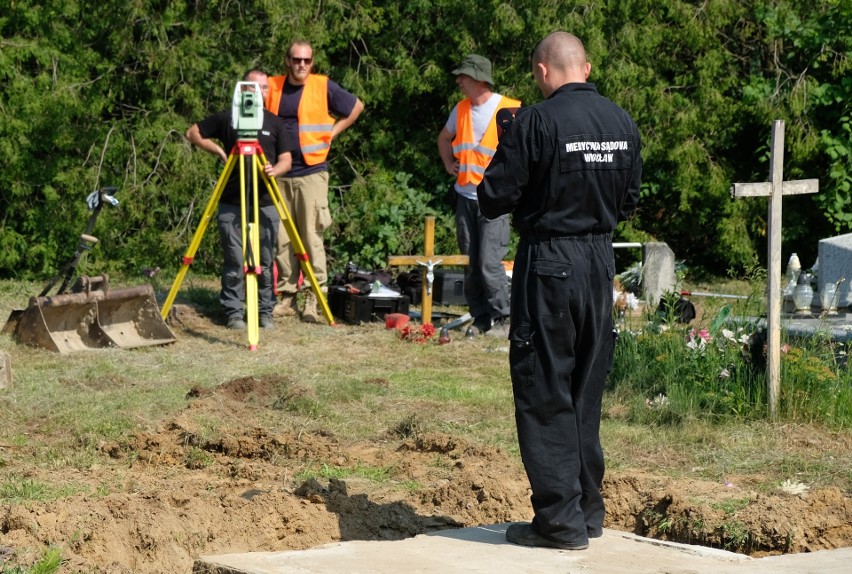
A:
{"x":306,"y":198}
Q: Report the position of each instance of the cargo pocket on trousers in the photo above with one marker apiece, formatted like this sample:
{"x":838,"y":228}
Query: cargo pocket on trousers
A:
{"x":323,"y":218}
{"x":553,"y":286}
{"x":522,"y":356}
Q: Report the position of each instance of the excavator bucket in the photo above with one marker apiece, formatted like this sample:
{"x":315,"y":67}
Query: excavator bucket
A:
{"x":91,"y":319}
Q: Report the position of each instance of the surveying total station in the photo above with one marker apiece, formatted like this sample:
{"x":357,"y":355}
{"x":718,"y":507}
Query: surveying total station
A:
{"x":247,"y":121}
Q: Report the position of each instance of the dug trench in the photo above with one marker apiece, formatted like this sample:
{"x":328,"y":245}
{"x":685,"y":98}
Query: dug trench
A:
{"x":171,"y":494}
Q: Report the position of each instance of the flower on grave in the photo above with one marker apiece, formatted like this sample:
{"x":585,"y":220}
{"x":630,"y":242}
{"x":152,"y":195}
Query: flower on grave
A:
{"x":696,"y":340}
{"x":696,"y":344}
{"x":739,"y":337}
{"x":423,"y":334}
{"x":785,"y":348}
{"x":657,"y":402}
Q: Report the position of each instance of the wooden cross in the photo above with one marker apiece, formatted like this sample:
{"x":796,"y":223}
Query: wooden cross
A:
{"x":775,"y":188}
{"x":428,"y":261}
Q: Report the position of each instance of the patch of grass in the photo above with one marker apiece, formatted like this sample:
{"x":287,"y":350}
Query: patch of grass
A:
{"x":197,"y":458}
{"x":410,"y":485}
{"x":49,"y":563}
{"x":17,"y":490}
{"x":409,"y":427}
{"x":326,"y":471}
{"x":731,"y":505}
{"x":735,"y":535}
{"x":667,"y":373}
{"x":666,"y":408}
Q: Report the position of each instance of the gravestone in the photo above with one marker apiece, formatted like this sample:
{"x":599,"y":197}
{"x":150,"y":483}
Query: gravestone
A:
{"x":658,"y":271}
{"x":835,"y":263}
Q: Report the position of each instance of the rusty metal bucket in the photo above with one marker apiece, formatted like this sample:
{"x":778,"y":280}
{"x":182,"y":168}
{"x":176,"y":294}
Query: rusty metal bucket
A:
{"x":94,"y":317}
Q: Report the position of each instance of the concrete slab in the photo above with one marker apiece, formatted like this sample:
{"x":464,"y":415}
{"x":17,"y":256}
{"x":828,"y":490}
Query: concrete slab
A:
{"x":484,"y":549}
{"x":837,"y":326}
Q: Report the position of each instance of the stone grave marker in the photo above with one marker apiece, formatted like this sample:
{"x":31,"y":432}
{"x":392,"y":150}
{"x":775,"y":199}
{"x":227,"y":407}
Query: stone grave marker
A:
{"x":835,"y":264}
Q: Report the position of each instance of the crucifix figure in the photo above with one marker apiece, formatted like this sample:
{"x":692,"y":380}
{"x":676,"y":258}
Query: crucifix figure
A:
{"x":428,"y":261}
{"x":775,"y":188}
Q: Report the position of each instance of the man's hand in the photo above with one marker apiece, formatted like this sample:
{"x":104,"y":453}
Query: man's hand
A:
{"x":445,"y":150}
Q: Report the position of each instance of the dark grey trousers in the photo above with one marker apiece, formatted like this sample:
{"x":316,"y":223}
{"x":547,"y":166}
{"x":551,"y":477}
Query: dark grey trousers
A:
{"x":486,"y":242}
{"x":233,"y":291}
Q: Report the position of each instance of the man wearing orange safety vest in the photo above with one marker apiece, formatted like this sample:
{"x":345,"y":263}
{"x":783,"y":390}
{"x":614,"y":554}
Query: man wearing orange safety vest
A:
{"x":466,"y":145}
{"x":315,"y":110}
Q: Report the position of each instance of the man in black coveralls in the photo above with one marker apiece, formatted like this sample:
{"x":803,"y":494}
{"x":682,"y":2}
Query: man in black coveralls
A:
{"x":569,"y":170}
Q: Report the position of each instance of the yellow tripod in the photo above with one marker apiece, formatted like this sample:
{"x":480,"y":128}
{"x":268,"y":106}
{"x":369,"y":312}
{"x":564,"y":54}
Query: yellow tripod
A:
{"x":249,"y":148}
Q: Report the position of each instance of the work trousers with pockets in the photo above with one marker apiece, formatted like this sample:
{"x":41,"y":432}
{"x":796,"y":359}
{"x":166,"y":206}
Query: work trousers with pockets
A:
{"x":306,"y":198}
{"x":486,"y":242}
{"x":560,"y":354}
{"x":233,"y":291}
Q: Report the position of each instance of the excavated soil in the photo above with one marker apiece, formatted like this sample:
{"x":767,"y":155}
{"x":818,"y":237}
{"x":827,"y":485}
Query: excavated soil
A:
{"x":170,"y":494}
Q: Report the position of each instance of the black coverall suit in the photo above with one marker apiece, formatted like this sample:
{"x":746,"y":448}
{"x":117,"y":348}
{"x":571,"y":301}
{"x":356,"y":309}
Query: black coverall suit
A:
{"x":569,"y":170}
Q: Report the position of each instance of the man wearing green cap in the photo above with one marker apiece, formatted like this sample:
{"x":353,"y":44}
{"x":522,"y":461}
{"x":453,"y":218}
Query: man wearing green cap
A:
{"x":466,"y":145}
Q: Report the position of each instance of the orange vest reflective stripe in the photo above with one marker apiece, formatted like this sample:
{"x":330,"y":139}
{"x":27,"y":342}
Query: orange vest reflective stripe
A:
{"x":315,"y":123}
{"x":474,"y":158}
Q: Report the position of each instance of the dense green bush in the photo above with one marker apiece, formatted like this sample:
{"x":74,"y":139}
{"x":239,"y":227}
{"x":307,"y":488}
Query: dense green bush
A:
{"x":100,"y":94}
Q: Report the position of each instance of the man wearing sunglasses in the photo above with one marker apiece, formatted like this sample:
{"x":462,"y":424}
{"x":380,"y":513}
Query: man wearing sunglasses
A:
{"x":315,"y":110}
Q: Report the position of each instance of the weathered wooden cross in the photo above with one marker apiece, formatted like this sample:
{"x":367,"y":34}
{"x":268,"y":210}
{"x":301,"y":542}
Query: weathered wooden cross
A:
{"x":428,"y":261}
{"x":775,"y":188}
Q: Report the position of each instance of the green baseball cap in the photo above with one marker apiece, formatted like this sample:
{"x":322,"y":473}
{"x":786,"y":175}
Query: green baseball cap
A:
{"x":477,"y":67}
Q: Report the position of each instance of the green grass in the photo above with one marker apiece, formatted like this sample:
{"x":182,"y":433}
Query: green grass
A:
{"x":50,"y":562}
{"x":18,"y":490}
{"x":666,"y":408}
{"x":326,"y":471}
{"x":666,"y":373}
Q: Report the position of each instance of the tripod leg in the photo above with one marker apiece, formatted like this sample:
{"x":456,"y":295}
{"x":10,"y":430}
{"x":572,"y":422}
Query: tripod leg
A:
{"x":298,"y":246}
{"x":251,"y":261}
{"x":209,"y":212}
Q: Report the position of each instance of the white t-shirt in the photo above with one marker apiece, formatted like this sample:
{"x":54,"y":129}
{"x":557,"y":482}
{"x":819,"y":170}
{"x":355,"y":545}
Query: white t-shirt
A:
{"x":480,"y":116}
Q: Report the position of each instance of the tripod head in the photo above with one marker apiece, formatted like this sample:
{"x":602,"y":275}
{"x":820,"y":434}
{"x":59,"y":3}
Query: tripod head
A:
{"x":247,"y":109}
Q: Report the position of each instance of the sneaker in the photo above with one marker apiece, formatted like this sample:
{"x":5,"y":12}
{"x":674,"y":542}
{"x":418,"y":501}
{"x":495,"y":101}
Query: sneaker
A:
{"x":236,"y":323}
{"x":285,"y":307}
{"x":524,"y":535}
{"x":266,"y":322}
{"x":309,"y":313}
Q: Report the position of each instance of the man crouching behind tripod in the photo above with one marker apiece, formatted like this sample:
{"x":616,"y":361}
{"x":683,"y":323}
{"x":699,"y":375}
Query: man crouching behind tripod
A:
{"x":276,"y":143}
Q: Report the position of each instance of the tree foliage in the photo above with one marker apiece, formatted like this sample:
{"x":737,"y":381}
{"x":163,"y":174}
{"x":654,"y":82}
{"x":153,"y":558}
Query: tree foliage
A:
{"x":98,"y":94}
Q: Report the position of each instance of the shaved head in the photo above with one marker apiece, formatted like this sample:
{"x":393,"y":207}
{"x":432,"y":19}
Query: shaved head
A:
{"x":559,"y":59}
{"x":561,"y":51}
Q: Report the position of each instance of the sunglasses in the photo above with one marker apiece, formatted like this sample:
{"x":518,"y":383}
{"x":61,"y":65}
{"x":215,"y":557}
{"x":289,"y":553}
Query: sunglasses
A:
{"x":301,"y":60}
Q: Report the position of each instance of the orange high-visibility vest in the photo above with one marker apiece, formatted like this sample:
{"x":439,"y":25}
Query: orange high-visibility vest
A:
{"x":315,"y":123}
{"x":474,"y":158}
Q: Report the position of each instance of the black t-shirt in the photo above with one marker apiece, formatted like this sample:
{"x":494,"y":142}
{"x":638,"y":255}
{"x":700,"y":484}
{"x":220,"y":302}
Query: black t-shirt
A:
{"x":340,"y":103}
{"x":273,"y":139}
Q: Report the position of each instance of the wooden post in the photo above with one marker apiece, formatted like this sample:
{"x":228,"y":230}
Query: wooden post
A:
{"x":775,"y":188}
{"x":428,"y":261}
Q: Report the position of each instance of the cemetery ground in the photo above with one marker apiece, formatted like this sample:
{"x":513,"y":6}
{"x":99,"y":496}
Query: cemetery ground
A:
{"x":141,"y":460}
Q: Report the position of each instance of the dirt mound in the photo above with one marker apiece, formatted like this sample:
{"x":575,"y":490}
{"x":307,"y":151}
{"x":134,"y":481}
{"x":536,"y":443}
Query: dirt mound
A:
{"x":186,"y":489}
{"x":724,"y":516}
